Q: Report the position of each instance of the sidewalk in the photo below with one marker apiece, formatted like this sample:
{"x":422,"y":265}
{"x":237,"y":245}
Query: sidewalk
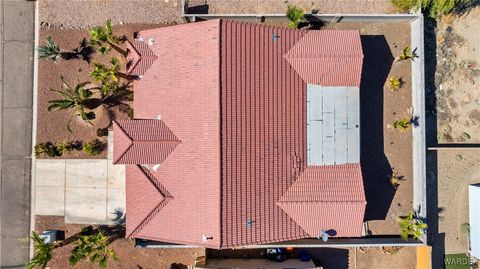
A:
{"x":16,"y":91}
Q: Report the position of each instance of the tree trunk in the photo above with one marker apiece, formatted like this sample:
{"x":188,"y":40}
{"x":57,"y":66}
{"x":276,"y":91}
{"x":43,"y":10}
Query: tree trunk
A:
{"x":117,"y":48}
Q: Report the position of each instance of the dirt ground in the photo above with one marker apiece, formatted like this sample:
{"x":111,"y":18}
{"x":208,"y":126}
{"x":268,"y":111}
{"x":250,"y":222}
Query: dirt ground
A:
{"x":456,"y":170}
{"x":52,"y":126}
{"x":458,"y":78}
{"x":405,"y":258}
{"x":128,"y":255}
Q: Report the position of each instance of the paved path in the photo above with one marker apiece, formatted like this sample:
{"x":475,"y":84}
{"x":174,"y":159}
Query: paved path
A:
{"x":84,"y":191}
{"x":16,"y":91}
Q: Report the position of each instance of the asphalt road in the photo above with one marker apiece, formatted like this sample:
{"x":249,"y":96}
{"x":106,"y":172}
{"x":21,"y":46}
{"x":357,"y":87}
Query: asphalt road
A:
{"x":16,"y":99}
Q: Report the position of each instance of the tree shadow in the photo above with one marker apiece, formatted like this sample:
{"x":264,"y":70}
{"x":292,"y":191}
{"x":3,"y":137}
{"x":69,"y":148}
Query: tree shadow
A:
{"x":466,"y":8}
{"x":377,"y":62}
{"x":84,"y":51}
{"x":198,"y":9}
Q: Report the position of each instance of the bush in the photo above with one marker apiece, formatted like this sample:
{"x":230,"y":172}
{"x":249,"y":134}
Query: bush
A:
{"x":431,"y":8}
{"x":47,"y":149}
{"x":93,"y":147}
{"x":402,"y":124}
{"x":295,"y":15}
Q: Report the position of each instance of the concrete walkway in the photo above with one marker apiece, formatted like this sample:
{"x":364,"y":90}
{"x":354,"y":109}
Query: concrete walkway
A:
{"x":16,"y":91}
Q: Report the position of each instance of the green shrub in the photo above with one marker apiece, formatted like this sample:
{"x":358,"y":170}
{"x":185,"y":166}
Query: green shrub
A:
{"x":295,"y":15}
{"x":93,"y":147}
{"x":411,"y":225}
{"x":47,"y":149}
{"x":431,"y":8}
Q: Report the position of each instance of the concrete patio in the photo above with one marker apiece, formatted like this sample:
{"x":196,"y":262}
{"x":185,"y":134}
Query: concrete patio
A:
{"x":84,"y":191}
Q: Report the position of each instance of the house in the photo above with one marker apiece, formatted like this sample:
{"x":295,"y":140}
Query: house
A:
{"x":243,"y":134}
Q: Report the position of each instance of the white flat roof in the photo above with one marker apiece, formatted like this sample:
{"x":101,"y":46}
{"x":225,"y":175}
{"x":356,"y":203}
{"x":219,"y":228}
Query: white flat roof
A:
{"x":333,"y":125}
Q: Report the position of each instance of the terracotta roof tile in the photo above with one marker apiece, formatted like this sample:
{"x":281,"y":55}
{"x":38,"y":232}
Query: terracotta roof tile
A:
{"x":328,"y":57}
{"x":181,"y":88}
{"x":238,"y":106}
{"x":139,"y":57}
{"x":327,"y":197}
{"x":142,"y":142}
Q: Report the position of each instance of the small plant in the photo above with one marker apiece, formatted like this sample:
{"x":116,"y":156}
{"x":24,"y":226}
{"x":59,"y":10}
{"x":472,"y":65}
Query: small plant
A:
{"x":47,"y":149}
{"x":395,"y":179}
{"x":93,"y":147}
{"x":43,"y":252}
{"x":295,"y":15}
{"x":406,"y":54}
{"x":67,"y":147}
{"x":411,"y":225}
{"x":50,"y":50}
{"x":465,"y":228}
{"x":94,"y":247}
{"x":103,"y":37}
{"x":402,"y":124}
{"x":395,"y":83}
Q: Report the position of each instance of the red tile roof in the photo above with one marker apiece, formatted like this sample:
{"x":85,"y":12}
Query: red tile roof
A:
{"x":337,"y":62}
{"x":227,"y":91}
{"x":327,"y":197}
{"x":142,"y":142}
{"x":182,"y":89}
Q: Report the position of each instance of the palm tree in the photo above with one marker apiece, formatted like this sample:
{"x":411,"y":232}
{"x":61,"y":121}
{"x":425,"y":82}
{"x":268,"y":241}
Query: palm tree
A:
{"x":412,"y":225}
{"x":103,"y":36}
{"x":95,"y":248}
{"x":43,"y":252}
{"x":104,"y":74}
{"x":78,"y":99}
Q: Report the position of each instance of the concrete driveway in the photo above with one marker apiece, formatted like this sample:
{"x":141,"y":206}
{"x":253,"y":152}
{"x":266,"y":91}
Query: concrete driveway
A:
{"x":84,"y":191}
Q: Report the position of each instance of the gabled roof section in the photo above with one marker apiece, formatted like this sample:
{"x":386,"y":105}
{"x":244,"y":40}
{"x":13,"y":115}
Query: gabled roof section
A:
{"x":139,"y":57}
{"x":325,"y":198}
{"x":328,"y":57}
{"x":142,"y":142}
{"x":146,"y":196}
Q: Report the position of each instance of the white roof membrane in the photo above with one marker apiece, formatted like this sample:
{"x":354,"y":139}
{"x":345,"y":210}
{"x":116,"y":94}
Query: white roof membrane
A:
{"x":474,"y":208}
{"x":333,"y":125}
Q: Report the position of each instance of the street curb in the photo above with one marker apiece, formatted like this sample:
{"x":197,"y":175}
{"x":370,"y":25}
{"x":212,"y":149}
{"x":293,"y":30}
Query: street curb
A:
{"x":34,"y":126}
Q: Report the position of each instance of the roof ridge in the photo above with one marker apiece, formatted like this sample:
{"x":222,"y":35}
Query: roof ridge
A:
{"x":125,"y":135}
{"x":162,"y":190}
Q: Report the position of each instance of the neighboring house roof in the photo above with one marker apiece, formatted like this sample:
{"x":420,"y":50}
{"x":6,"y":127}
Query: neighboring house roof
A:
{"x":232,"y":93}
